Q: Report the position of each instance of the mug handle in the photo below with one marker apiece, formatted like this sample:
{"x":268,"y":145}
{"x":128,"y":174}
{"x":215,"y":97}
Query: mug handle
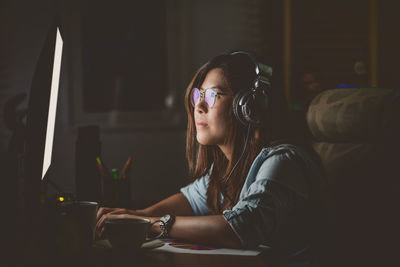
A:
{"x":155,"y":237}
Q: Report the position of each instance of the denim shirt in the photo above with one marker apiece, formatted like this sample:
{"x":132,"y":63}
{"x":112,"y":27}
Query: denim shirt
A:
{"x":273,"y":205}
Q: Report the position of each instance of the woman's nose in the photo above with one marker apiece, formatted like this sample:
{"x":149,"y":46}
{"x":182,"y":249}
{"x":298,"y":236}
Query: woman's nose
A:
{"x":201,"y":106}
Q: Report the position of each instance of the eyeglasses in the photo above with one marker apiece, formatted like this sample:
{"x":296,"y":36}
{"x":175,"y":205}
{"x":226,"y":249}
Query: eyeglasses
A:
{"x":209,"y":96}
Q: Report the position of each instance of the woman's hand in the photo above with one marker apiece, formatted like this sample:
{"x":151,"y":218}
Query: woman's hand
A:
{"x":106,"y":213}
{"x":212,"y":229}
{"x":104,"y":210}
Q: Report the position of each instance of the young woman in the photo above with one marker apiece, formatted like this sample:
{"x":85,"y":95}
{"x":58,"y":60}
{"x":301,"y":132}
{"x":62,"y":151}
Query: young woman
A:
{"x":250,"y":188}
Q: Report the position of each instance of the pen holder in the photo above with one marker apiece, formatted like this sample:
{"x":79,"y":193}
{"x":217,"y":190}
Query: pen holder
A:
{"x":117,"y":192}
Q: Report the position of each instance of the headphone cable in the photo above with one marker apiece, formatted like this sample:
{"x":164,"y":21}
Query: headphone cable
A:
{"x":224,"y":182}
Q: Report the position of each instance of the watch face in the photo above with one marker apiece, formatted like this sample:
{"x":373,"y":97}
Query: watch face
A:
{"x":166,"y":218}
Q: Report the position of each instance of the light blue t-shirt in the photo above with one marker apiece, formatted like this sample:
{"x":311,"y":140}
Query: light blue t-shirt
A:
{"x":274,"y":203}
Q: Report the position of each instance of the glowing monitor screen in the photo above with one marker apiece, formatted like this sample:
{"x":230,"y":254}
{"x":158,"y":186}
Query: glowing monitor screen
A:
{"x":51,"y":119}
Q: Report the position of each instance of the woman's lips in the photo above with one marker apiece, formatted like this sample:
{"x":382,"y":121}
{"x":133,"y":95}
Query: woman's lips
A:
{"x":201,"y":124}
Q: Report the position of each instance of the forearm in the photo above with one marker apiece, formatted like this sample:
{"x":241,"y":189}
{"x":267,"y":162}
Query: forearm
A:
{"x":208,"y":230}
{"x":175,"y":204}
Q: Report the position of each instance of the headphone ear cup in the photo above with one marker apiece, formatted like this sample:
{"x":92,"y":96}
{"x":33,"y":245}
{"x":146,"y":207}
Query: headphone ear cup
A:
{"x":261,"y":102}
{"x":249,"y":106}
{"x":249,"y":109}
{"x":240,"y":107}
{"x":257,"y":106}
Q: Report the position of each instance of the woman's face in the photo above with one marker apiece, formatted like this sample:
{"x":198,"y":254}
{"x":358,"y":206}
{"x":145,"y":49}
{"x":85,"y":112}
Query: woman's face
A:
{"x":213,"y":124}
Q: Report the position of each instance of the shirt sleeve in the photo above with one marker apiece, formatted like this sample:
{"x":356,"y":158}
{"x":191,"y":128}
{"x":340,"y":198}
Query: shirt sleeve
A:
{"x":196,"y":194}
{"x":270,"y":211}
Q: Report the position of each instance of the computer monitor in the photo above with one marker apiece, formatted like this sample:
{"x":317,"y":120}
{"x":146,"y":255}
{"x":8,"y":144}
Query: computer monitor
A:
{"x":41,"y":119}
{"x":51,"y":117}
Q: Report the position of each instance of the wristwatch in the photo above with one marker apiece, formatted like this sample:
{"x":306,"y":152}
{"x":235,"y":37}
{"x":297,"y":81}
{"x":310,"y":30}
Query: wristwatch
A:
{"x":166,"y":223}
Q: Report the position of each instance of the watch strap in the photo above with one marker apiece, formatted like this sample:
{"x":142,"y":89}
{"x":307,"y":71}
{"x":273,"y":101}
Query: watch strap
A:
{"x":166,"y":224}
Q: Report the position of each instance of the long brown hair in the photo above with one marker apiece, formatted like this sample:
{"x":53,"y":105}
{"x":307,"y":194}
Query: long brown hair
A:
{"x":239,"y":72}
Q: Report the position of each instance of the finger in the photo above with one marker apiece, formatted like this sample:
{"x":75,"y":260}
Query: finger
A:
{"x":100,"y":222}
{"x":98,"y":233}
{"x":102,"y":211}
{"x":120,"y":211}
{"x":102,"y":232}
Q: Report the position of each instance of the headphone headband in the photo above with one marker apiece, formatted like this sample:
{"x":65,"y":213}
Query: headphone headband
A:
{"x":261,"y":70}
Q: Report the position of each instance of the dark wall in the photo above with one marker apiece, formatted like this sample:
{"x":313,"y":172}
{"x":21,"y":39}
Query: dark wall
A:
{"x":27,"y":25}
{"x":196,"y":31}
{"x":159,"y":167}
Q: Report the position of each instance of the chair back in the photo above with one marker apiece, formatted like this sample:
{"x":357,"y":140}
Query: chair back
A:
{"x":356,"y":133}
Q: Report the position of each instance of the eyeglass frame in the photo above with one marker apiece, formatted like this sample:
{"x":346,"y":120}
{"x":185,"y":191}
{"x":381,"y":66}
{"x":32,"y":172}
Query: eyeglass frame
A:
{"x":203,"y":95}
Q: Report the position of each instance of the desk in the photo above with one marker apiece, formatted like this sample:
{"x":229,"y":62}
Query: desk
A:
{"x":38,"y":248}
{"x":164,"y":259}
{"x":96,"y":257}
{"x":110,"y":258}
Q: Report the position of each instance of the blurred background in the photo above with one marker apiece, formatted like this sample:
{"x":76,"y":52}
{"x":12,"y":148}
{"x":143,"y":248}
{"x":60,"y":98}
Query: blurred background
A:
{"x":126,"y":66}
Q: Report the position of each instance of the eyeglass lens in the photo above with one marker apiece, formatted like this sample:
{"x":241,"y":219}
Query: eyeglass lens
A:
{"x":209,"y":96}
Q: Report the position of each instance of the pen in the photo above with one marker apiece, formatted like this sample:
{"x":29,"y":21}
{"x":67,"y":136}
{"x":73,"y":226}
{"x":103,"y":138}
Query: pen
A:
{"x":102,"y":168}
{"x":115,"y":174}
{"x":98,"y":160}
{"x":127,"y":164}
{"x":99,"y":165}
{"x":102,"y":174}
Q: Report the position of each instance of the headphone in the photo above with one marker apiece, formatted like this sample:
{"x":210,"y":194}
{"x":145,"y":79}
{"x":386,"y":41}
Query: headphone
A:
{"x":249,"y":104}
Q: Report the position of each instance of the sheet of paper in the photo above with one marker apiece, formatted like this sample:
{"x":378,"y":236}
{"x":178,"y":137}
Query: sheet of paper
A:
{"x":171,"y":246}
